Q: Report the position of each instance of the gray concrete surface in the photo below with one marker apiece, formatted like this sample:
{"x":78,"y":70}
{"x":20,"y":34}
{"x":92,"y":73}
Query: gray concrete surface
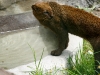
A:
{"x":48,"y":63}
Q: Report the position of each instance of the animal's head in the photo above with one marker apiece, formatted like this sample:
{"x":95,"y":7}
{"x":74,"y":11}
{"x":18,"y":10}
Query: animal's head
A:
{"x":42,"y":10}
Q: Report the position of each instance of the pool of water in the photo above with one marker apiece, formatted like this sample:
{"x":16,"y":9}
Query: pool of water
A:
{"x":15,"y":49}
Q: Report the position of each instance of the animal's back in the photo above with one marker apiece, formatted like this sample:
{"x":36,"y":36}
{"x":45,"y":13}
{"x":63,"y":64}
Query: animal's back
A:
{"x":80,"y":22}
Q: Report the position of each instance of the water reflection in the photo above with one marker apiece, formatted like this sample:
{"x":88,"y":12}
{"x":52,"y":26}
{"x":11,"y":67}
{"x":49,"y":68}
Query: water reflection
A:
{"x":14,"y":48}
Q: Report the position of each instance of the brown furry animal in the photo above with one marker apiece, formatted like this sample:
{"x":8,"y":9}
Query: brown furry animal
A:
{"x":63,"y":19}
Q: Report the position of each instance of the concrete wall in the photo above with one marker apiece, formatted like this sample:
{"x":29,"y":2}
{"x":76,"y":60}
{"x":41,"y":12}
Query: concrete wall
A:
{"x":9,"y":7}
{"x":7,"y":3}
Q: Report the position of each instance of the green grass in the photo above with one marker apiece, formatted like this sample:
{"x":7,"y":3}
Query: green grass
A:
{"x":38,"y":70}
{"x":83,"y":64}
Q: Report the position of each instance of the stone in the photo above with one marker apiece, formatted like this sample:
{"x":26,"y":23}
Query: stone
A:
{"x":6,"y":3}
{"x":3,"y":72}
{"x":21,"y":6}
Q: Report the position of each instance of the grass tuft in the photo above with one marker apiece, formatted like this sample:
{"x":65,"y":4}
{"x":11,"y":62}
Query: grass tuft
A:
{"x":38,"y":70}
{"x":83,"y":64}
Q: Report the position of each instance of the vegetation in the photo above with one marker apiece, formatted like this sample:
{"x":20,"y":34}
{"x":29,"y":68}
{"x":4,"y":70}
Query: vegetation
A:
{"x":83,"y":64}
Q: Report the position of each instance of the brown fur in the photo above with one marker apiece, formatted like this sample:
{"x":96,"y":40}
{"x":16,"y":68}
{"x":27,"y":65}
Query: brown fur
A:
{"x":63,"y":19}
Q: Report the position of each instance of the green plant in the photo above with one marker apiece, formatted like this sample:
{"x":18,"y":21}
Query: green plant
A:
{"x":84,"y":62}
{"x":38,"y":70}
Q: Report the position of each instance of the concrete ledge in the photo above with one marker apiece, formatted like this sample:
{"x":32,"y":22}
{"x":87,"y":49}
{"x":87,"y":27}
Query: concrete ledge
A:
{"x":49,"y":62}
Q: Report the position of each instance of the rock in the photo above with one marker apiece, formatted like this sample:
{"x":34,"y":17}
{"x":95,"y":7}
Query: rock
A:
{"x":21,"y":6}
{"x":6,"y":3}
{"x":3,"y":72}
{"x":76,"y":3}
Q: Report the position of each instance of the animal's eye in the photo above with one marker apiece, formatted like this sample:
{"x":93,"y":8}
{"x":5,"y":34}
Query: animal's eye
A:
{"x":46,"y":12}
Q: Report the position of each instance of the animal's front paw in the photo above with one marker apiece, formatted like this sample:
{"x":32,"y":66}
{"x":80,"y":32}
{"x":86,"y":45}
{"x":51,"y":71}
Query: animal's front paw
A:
{"x":56,"y":52}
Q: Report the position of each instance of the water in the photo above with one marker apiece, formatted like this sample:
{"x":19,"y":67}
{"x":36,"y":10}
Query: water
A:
{"x":16,"y":32}
{"x":14,"y":48}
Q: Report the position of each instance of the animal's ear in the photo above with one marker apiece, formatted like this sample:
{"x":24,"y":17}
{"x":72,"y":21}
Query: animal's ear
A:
{"x":34,"y":7}
{"x":49,"y":14}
